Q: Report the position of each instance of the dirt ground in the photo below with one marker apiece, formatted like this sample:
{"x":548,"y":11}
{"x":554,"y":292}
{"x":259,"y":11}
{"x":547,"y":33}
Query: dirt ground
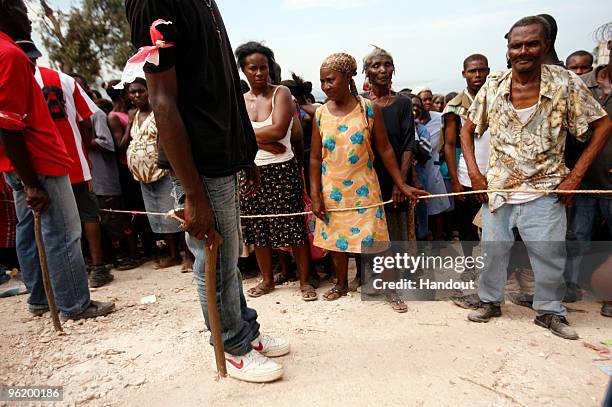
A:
{"x":344,"y":353}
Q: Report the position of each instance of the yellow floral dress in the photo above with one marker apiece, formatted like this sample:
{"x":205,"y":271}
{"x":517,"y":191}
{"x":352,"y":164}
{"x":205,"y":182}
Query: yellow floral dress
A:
{"x":348,"y":179}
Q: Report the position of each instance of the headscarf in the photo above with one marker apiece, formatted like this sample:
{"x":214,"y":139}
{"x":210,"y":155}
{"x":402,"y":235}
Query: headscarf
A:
{"x":346,"y":64}
{"x":343,"y":63}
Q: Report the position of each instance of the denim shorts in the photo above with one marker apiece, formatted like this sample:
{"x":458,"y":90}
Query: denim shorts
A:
{"x":158,"y":198}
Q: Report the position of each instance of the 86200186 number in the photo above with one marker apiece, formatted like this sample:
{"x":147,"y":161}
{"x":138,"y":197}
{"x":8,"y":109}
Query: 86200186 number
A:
{"x":31,"y":393}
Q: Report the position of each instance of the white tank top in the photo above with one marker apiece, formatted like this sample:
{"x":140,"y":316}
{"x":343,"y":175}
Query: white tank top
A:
{"x":265,"y":157}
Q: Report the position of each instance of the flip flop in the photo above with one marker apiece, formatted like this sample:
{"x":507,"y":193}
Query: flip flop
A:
{"x":259,"y":290}
{"x":308,"y":293}
{"x":166,"y":262}
{"x":354,"y":285}
{"x":334,"y":294}
{"x":187,"y":267}
{"x":397,"y":303}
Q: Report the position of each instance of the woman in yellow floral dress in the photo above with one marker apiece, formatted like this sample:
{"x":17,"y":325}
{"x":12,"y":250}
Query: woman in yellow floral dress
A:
{"x":342,"y":174}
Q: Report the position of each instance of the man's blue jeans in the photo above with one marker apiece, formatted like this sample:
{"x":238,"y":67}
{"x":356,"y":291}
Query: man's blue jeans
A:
{"x":239,"y":324}
{"x":542,"y":226}
{"x":61,"y":230}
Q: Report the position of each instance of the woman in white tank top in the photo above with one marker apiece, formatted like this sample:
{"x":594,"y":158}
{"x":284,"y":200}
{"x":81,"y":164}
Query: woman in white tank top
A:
{"x":271,"y":111}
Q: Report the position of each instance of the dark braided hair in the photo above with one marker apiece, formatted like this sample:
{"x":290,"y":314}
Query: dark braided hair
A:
{"x":14,"y":19}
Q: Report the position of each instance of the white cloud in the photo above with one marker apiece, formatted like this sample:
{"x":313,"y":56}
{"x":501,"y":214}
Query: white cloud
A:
{"x":333,"y":4}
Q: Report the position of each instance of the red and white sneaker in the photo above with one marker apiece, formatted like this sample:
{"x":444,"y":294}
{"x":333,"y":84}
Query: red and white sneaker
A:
{"x":271,"y":347}
{"x":252,"y":367}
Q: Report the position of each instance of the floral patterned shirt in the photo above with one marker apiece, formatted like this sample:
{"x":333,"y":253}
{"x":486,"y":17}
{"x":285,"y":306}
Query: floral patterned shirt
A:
{"x":531,"y":155}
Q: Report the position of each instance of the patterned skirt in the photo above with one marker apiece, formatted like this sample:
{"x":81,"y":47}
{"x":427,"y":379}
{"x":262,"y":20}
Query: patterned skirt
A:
{"x":281,"y":190}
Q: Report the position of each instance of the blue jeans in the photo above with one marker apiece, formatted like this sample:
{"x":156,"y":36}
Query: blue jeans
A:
{"x":61,"y":232}
{"x":581,"y":218}
{"x":542,"y":226}
{"x":239,"y":324}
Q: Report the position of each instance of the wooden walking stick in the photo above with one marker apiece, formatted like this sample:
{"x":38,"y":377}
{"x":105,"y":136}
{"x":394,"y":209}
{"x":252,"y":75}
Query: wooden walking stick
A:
{"x":42,"y":256}
{"x":210,"y":277}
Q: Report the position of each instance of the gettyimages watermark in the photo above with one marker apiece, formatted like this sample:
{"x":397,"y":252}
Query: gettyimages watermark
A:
{"x":430,"y":271}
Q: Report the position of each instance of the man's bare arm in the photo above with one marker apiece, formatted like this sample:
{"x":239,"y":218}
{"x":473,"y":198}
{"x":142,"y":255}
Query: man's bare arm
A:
{"x":450,"y":145}
{"x":479,"y":182}
{"x":17,"y":152}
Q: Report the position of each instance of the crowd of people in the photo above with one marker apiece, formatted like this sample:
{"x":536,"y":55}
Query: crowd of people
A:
{"x":190,"y":134}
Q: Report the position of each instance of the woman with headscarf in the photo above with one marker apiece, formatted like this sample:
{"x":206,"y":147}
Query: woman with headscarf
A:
{"x":342,"y":171}
{"x":396,"y":109}
{"x":272,"y":111}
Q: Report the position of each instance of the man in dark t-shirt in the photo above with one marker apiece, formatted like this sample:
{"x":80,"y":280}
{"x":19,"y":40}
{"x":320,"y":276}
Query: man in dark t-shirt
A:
{"x":207,"y":138}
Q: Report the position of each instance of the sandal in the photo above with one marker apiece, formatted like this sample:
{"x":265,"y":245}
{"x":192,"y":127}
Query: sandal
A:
{"x":281,"y":278}
{"x":335,"y":293}
{"x":259,"y":290}
{"x":397,"y":304}
{"x":187,"y":266}
{"x":166,"y":262}
{"x":308,"y":293}
{"x":354,"y":285}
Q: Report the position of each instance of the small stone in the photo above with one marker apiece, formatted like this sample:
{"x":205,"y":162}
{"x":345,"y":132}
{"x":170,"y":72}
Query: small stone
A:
{"x":88,"y":397}
{"x":283,"y":311}
{"x":139,"y":382}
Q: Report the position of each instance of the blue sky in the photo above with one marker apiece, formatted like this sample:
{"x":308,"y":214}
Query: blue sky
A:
{"x":428,"y":39}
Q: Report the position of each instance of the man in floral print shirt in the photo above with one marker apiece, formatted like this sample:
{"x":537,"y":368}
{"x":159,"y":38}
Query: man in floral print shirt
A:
{"x":529,"y":110}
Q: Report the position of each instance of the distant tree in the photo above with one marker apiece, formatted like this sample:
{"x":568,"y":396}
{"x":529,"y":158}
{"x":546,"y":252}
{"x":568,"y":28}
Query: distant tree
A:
{"x":86,"y":38}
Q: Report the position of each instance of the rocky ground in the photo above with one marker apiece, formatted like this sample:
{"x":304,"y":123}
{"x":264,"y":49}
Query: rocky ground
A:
{"x":346,"y":352}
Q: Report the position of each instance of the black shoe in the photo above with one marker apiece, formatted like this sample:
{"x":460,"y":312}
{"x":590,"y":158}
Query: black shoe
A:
{"x":100,"y":276}
{"x":128,"y":263}
{"x":558,"y":325}
{"x":95,"y":309}
{"x":470,"y":301}
{"x":606,"y":310}
{"x":485,"y":312}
